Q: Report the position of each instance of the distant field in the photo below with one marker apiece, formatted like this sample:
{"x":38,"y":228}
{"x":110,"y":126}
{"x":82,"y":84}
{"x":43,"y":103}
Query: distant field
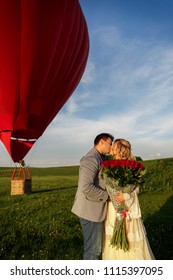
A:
{"x":41,"y":225}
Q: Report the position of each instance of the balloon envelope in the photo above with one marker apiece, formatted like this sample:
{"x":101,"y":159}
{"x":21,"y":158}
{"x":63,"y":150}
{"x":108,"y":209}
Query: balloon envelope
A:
{"x":43,"y":53}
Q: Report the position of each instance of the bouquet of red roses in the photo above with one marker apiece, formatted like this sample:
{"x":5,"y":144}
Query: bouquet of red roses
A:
{"x":124,"y":176}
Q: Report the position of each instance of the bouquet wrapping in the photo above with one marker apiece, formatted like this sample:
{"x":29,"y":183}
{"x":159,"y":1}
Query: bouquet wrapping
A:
{"x":121,"y":176}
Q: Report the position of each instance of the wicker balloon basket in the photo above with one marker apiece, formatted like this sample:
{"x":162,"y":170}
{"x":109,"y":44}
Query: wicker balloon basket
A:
{"x":21,"y":182}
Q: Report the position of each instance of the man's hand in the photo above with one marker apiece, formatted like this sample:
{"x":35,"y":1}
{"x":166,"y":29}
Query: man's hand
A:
{"x":119,"y":197}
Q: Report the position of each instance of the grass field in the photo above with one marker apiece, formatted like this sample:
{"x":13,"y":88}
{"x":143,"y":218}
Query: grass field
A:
{"x":41,"y":226}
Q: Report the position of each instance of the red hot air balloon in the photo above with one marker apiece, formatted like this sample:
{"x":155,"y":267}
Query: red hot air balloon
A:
{"x":44,"y":47}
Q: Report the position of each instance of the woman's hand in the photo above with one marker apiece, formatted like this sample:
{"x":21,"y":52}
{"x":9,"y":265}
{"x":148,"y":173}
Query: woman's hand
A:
{"x":119,"y":197}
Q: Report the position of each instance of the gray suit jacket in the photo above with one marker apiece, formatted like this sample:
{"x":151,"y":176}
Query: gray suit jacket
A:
{"x":91,"y":196}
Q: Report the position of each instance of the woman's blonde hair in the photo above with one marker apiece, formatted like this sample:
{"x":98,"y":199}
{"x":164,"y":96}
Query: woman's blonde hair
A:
{"x":121,"y":149}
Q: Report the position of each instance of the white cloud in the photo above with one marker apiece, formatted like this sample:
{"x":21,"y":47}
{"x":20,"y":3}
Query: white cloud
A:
{"x":89,"y":73}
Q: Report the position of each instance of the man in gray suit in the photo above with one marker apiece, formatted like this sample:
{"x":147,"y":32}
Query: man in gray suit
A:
{"x":90,"y":202}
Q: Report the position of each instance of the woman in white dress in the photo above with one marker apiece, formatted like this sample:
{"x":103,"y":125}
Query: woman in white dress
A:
{"x":139,"y":248}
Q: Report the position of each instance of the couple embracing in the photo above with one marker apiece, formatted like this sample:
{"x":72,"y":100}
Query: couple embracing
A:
{"x":95,"y":209}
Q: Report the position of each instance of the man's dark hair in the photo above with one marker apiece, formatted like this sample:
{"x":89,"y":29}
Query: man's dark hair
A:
{"x":103,"y":136}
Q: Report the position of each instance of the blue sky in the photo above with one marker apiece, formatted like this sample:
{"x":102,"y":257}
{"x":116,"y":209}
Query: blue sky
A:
{"x":127,"y":87}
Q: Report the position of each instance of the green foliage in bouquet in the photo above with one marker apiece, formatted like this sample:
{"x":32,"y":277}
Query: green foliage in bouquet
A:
{"x":119,"y":238}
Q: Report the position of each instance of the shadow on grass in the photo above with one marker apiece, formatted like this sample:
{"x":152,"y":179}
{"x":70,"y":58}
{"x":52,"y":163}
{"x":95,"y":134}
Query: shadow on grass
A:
{"x":66,"y":249}
{"x":159,"y":228}
{"x":52,"y":189}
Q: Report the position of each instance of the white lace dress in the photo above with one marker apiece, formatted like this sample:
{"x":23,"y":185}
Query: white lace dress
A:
{"x":139,"y":248}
